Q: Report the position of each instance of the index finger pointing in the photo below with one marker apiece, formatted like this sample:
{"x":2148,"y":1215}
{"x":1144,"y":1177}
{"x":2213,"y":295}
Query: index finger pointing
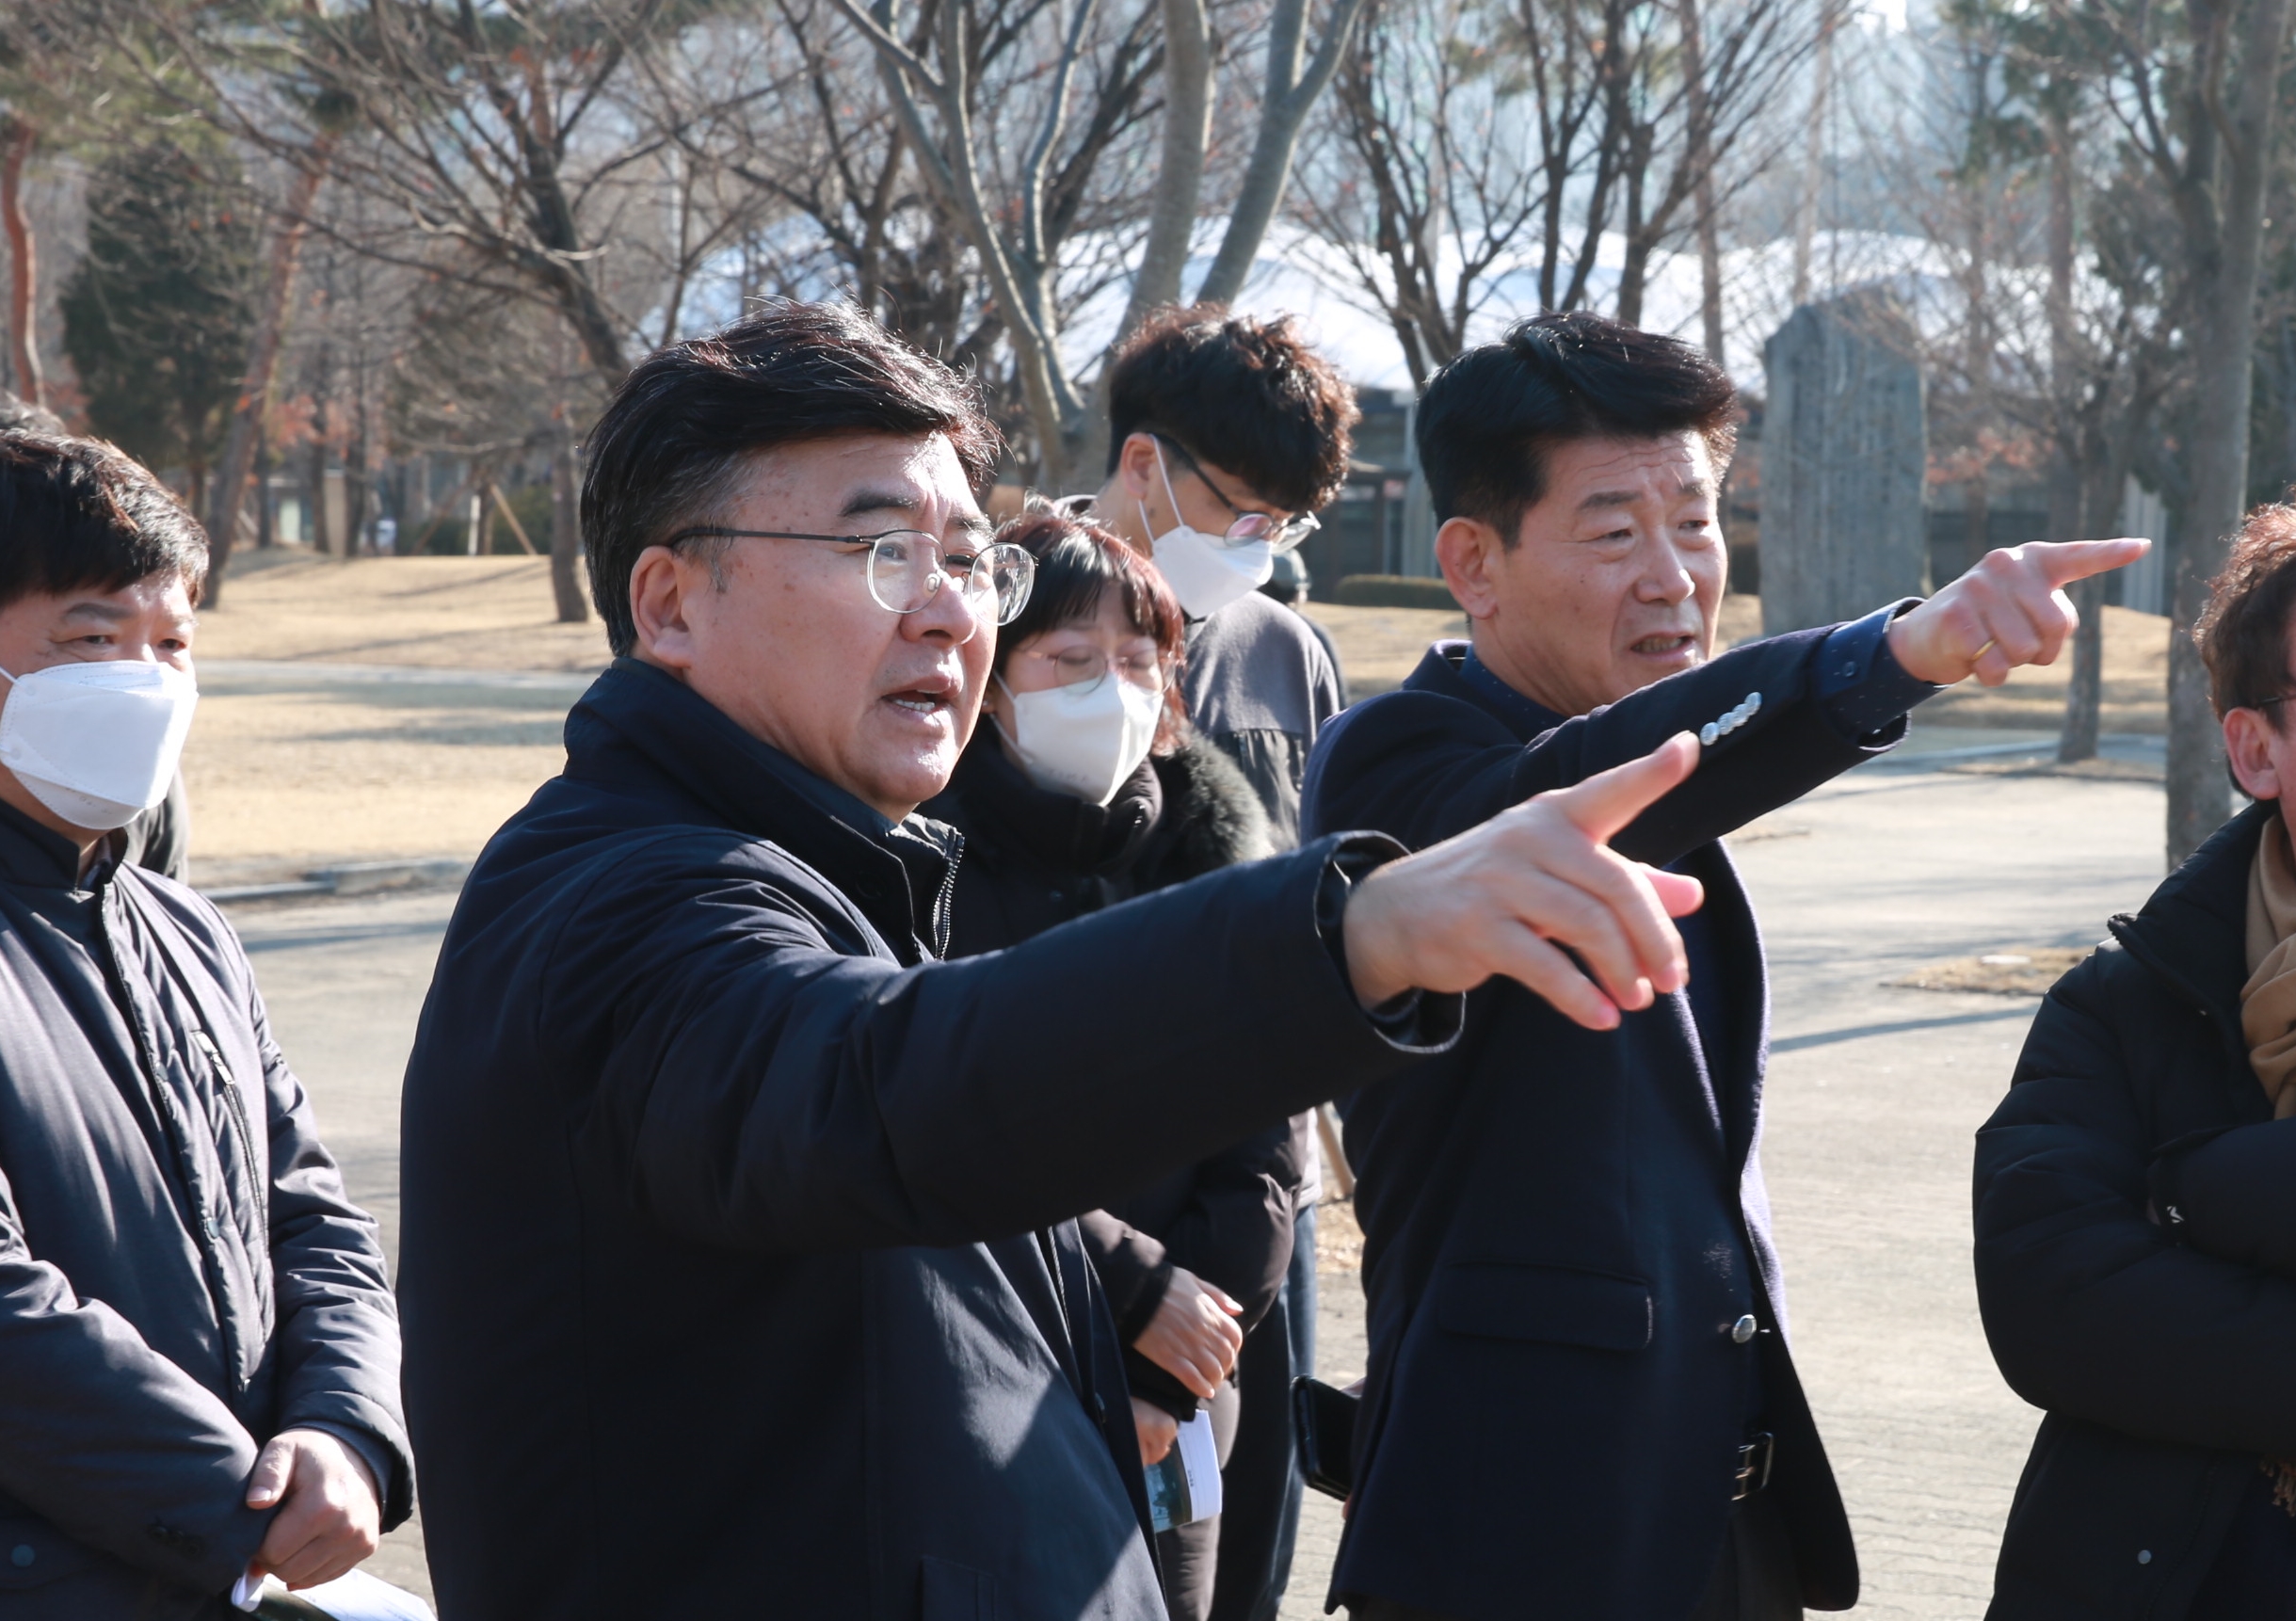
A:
{"x":1607,"y":801}
{"x":2061,"y":562}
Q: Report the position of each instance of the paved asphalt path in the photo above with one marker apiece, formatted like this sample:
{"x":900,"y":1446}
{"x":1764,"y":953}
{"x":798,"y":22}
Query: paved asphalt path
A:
{"x":1873,"y":1095}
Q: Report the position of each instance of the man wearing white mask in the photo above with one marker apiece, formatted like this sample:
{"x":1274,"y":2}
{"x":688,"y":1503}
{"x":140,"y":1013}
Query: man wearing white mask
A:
{"x":1226,"y":435}
{"x":199,"y":1351}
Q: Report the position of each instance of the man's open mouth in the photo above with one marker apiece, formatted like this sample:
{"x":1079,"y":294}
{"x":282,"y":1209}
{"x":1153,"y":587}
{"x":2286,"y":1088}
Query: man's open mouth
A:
{"x":930,"y":696}
{"x":1658,"y":646}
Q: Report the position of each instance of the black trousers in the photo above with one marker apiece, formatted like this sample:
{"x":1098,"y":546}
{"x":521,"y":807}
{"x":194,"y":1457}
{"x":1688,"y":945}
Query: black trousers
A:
{"x":1754,"y":1579}
{"x":1259,"y":1521}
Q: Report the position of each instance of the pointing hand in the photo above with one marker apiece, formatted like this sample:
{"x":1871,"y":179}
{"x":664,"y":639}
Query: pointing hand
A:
{"x":1503,"y":898}
{"x":2009,"y":610}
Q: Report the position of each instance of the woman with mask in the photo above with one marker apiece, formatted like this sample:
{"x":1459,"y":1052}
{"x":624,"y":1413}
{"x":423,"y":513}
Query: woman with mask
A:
{"x":1083,"y":787}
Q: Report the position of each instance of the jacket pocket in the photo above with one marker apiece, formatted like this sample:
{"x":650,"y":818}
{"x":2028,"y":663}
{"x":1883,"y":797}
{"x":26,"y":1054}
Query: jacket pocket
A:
{"x":1561,"y":1305}
{"x":957,"y":1592}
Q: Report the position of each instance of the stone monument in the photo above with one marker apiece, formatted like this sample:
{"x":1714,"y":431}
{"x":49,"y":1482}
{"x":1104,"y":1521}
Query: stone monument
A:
{"x":1845,"y":452}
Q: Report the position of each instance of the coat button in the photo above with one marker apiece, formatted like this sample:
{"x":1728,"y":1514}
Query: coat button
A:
{"x":21,"y":1555}
{"x":1707,"y":733}
{"x":1742,"y":1330}
{"x":2145,"y":1556}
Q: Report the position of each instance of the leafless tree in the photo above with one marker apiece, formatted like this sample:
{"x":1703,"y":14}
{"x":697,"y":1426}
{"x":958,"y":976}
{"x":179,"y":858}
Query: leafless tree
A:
{"x":1468,"y":142}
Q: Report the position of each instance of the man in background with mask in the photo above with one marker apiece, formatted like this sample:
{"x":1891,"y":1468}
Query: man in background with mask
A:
{"x":199,"y":1351}
{"x":159,"y":838}
{"x":1225,"y":434}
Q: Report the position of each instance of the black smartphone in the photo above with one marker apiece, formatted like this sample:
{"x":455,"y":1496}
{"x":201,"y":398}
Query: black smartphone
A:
{"x":1323,"y":1419}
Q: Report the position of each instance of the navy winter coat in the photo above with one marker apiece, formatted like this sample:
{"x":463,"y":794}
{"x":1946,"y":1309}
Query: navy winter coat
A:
{"x":2160,"y":1349}
{"x":181,"y":1274}
{"x":737,"y":1270}
{"x":1563,"y":1228}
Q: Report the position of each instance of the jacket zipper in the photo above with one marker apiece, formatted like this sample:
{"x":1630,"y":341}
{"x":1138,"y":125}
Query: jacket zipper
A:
{"x":173,"y":1127}
{"x":945,"y":902}
{"x":246,"y":1130}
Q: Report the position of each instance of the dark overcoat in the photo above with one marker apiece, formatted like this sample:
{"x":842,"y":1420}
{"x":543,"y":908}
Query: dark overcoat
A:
{"x":180,"y":1273}
{"x":1034,"y":858}
{"x":1563,"y":1228}
{"x":737,"y":1271}
{"x":2136,"y":1258}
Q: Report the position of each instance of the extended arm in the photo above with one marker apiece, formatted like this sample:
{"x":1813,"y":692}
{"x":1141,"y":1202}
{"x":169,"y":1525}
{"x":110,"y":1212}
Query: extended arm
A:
{"x":1424,"y":767}
{"x":760,"y":1088}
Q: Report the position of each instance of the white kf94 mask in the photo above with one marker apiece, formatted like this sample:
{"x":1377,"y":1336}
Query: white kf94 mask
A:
{"x":1084,"y":738}
{"x":97,"y":743}
{"x":1206,"y":571}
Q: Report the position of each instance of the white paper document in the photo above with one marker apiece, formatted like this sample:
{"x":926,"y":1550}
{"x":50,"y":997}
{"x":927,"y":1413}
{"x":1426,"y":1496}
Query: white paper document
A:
{"x":1185,"y":1486}
{"x":354,"y":1597}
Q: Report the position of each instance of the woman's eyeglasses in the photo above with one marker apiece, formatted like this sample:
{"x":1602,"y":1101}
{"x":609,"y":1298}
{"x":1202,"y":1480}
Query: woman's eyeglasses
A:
{"x":1087,"y":668}
{"x":907,"y":567}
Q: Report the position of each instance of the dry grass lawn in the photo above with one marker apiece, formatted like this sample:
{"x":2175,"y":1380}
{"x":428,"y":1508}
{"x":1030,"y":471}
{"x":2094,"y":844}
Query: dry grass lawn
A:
{"x":293,"y":771}
{"x":451,"y":613}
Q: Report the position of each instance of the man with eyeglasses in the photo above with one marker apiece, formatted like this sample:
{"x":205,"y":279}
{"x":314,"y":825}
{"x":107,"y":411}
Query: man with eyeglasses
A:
{"x":1226,"y":435}
{"x":736,"y":1267}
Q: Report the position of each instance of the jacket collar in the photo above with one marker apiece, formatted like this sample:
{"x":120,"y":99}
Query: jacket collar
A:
{"x":1451,"y":669}
{"x":41,"y":858}
{"x":1058,"y":830}
{"x":2192,"y":930}
{"x":640,"y":731}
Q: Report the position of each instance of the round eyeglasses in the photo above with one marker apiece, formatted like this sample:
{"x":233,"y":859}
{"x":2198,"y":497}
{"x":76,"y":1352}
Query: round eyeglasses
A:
{"x":1087,"y":668}
{"x":907,"y":567}
{"x":1247,"y":528}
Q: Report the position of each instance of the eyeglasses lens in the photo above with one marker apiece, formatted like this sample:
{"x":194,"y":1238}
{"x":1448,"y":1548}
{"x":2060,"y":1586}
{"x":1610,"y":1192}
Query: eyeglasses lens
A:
{"x":1089,"y":667}
{"x":907,"y":567}
{"x":1254,"y":528}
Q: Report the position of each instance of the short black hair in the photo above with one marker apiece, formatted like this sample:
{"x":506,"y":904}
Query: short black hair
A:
{"x":81,"y":515}
{"x":1488,"y":419}
{"x":1249,"y":397}
{"x":1077,"y":562}
{"x":666,"y":453}
{"x":20,"y":415}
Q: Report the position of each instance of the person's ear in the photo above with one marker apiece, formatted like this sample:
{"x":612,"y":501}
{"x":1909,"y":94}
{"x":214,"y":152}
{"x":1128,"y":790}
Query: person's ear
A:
{"x":2249,"y":742}
{"x":1466,"y":550}
{"x":661,"y":582}
{"x":1136,"y":468}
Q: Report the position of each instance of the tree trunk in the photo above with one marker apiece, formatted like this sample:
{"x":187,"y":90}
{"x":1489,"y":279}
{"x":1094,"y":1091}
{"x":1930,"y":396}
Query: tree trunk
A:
{"x":2238,"y":100}
{"x":566,"y":537}
{"x":2084,"y":691}
{"x":1701,"y":158}
{"x":1290,"y":95}
{"x":262,"y":364}
{"x":314,"y":488}
{"x":17,"y":139}
{"x":1813,"y":174}
{"x":265,"y":533}
{"x":1180,"y":173}
{"x":2100,"y":479}
{"x":1635,"y":273}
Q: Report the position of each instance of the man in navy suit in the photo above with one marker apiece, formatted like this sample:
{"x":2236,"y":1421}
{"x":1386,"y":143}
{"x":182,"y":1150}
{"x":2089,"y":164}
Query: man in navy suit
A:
{"x":1580,"y":1400}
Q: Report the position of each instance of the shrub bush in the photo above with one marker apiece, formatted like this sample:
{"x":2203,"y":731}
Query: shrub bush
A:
{"x":1393,"y":591}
